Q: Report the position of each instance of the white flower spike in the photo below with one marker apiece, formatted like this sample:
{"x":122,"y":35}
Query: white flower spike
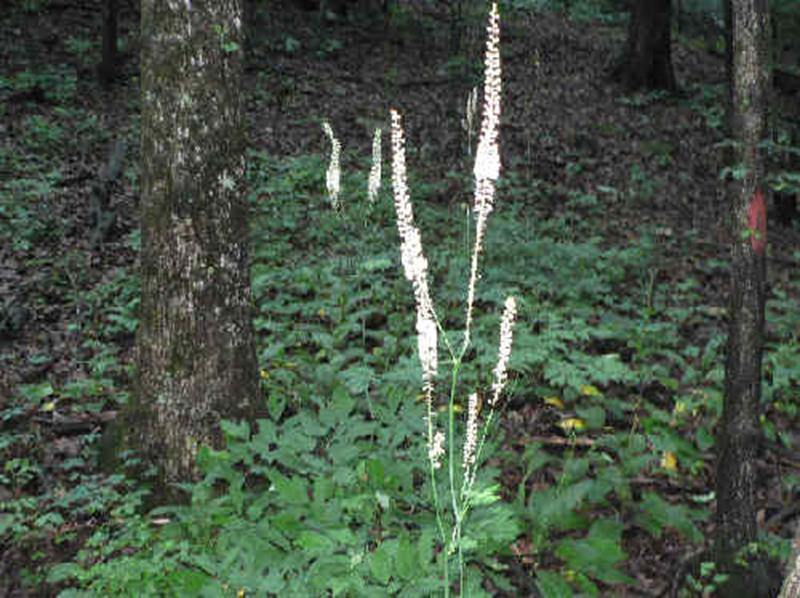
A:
{"x":504,"y":352}
{"x":471,"y":436}
{"x":374,"y":184}
{"x":436,"y":449}
{"x":334,"y":173}
{"x":487,"y":156}
{"x":415,"y":265}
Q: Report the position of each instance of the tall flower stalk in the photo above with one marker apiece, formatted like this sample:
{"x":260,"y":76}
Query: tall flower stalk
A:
{"x":429,"y":328}
{"x":334,"y":173}
{"x":374,"y":181}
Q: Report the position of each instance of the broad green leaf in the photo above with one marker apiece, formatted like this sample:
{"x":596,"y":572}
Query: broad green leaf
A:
{"x":598,"y":553}
{"x":342,"y":403}
{"x":381,"y":561}
{"x":276,"y":403}
{"x":292,"y":490}
{"x":235,"y":430}
{"x":358,"y":378}
{"x":406,"y":560}
{"x":314,"y":542}
{"x":656,"y":514}
{"x":483,"y":496}
{"x":323,"y":489}
{"x":552,"y":585}
{"x":595,"y":417}
{"x":425,"y":547}
{"x":36,"y":392}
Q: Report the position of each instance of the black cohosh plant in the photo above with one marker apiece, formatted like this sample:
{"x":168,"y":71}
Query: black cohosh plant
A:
{"x":333,"y":175}
{"x":463,"y":493}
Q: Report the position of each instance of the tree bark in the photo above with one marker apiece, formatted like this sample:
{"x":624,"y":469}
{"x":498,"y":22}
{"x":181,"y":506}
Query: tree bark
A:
{"x":647,"y":61}
{"x":739,"y":432}
{"x":195,"y":347}
{"x":791,"y":584}
{"x":108,"y":63}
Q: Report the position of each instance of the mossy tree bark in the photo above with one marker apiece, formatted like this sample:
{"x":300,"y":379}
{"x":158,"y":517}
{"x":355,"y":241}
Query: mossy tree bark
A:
{"x":195,"y":348}
{"x":791,"y":583}
{"x":647,"y":61}
{"x":739,"y":435}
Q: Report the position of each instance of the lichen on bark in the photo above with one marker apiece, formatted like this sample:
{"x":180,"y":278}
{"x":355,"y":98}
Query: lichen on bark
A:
{"x":195,"y":349}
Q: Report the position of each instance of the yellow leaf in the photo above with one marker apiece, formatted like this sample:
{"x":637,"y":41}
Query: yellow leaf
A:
{"x":679,"y":408}
{"x":554,"y":402}
{"x":572,"y":424}
{"x":588,"y":390}
{"x":321,"y":312}
{"x":49,"y":406}
{"x":669,"y":461}
{"x":264,"y":374}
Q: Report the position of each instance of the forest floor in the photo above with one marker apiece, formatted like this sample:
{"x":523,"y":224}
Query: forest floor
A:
{"x":587,"y":165}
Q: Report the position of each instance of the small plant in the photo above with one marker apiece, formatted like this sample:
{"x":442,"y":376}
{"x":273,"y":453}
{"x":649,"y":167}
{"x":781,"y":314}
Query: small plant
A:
{"x":81,"y":47}
{"x":706,"y":582}
{"x":223,"y":36}
{"x":463,"y":491}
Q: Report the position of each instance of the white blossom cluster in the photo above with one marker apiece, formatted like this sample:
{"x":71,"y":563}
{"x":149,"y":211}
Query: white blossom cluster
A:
{"x":487,"y":156}
{"x":415,"y":265}
{"x":334,"y":173}
{"x":471,"y":436}
{"x":436,"y":449}
{"x":374,"y":183}
{"x":504,"y":352}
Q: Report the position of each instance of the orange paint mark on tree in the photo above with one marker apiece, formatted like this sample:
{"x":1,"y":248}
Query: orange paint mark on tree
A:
{"x":757,"y":221}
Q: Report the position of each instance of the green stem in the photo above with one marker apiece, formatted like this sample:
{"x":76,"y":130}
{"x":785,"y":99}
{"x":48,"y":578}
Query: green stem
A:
{"x":440,"y":525}
{"x":437,"y":506}
{"x":451,"y":463}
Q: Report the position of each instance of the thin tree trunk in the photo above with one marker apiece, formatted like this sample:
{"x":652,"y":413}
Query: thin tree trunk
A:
{"x":739,"y":432}
{"x":791,"y":585}
{"x":195,"y":349}
{"x":108,"y":64}
{"x":647,"y":61}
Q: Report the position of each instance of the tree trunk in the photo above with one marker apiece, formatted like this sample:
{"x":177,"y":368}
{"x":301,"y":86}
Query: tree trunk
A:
{"x":739,"y":431}
{"x":791,"y":584}
{"x":647,"y":61}
{"x":195,"y":349}
{"x":108,"y":63}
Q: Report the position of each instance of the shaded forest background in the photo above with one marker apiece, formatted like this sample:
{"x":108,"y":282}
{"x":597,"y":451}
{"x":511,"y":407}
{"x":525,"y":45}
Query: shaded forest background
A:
{"x":611,"y":225}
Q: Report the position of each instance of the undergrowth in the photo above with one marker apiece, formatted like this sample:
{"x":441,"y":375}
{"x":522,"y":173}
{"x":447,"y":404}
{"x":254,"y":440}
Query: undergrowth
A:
{"x":327,"y":494}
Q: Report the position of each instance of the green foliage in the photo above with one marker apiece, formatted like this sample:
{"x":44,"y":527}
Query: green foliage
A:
{"x":706,"y":582}
{"x":223,"y":37}
{"x":57,"y":83}
{"x":26,"y":217}
{"x":329,"y":494}
{"x":580,"y":10}
{"x":85,"y":50}
{"x":311,"y":503}
{"x":708,"y":101}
